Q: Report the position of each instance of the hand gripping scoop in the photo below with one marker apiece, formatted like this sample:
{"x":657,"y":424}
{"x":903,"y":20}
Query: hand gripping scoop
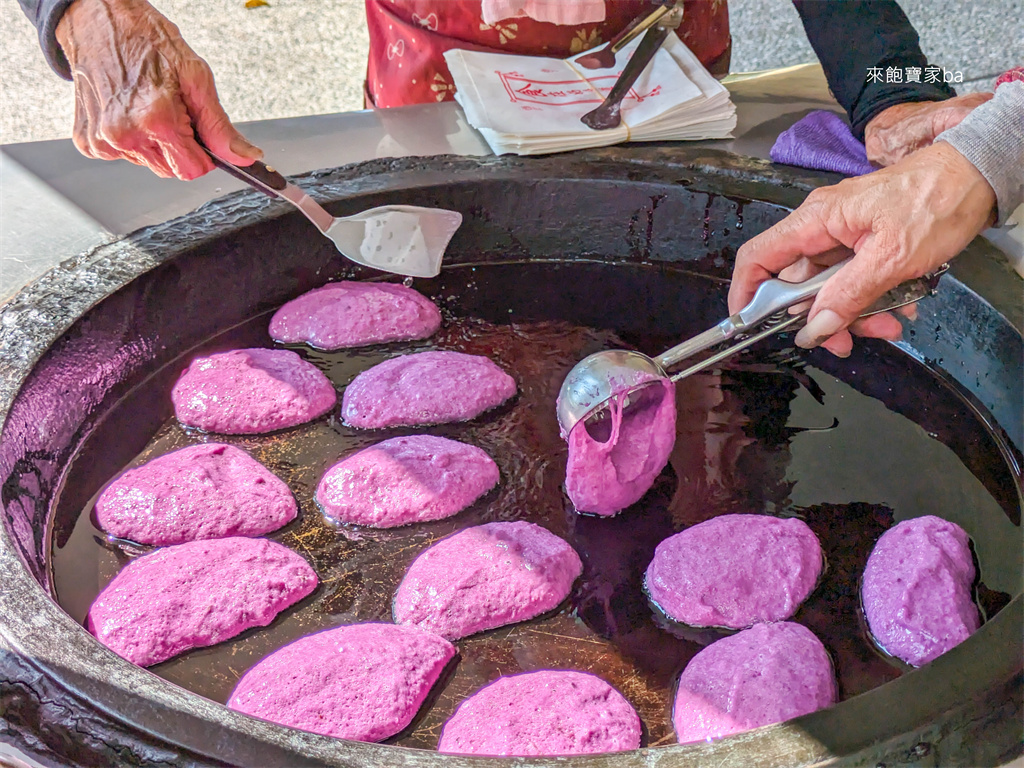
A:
{"x":596,"y":379}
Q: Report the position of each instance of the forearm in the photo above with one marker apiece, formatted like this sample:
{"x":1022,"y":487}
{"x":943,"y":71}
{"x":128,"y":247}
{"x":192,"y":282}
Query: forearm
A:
{"x":854,"y":36}
{"x":45,"y":15}
{"x":992,"y":139}
{"x":141,"y":93}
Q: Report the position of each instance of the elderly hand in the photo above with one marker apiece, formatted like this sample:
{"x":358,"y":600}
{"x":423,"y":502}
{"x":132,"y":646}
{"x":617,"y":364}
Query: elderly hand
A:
{"x":901,"y":222}
{"x":140,"y":90}
{"x":895,"y":132}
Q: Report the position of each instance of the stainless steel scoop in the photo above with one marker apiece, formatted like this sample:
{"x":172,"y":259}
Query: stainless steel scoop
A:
{"x":404,"y":239}
{"x":596,"y":379}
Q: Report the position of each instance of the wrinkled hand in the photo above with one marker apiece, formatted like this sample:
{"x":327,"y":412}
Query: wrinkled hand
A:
{"x":901,"y":222}
{"x":139,"y":90}
{"x":901,"y":129}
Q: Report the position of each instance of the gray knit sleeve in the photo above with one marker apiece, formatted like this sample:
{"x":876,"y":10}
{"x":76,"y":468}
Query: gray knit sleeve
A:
{"x":992,"y":139}
{"x":45,"y":14}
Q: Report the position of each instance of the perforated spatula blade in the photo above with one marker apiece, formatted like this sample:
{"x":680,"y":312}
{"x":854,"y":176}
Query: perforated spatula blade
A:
{"x":404,"y":239}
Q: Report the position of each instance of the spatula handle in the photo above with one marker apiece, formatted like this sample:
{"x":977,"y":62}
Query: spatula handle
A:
{"x":258,"y":175}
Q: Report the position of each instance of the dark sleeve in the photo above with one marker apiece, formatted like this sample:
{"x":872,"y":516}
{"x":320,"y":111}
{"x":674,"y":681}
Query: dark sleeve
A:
{"x":853,"y":36}
{"x":45,"y":14}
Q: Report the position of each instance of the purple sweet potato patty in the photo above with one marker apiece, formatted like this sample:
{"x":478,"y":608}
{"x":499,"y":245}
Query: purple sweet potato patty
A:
{"x":207,"y":491}
{"x":917,"y":589}
{"x":762,"y":675}
{"x":485,"y":577}
{"x":406,"y":480}
{"x":351,"y":314}
{"x":196,"y":594}
{"x":425,"y":388}
{"x":735,"y":570}
{"x":603,"y":478}
{"x":362,"y":681}
{"x":251,"y":391}
{"x":546,"y":713}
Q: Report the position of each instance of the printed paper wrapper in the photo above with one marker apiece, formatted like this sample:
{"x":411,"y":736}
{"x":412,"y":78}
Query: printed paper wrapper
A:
{"x":532,"y":105}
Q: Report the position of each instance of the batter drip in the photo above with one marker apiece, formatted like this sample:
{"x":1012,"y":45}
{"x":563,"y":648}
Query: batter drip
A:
{"x":605,"y":477}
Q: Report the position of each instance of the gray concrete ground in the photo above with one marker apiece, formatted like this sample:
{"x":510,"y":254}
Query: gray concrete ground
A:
{"x":292,"y":57}
{"x":301,"y":57}
{"x":980,"y":38}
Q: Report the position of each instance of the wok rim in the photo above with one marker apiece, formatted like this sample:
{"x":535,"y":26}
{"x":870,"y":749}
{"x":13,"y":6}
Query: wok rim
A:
{"x":898,"y":712}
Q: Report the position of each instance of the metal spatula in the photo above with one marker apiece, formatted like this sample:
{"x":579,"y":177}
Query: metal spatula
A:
{"x":403,"y":239}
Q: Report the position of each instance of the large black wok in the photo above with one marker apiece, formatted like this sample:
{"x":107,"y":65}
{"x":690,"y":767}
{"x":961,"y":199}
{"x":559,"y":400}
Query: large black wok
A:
{"x":82,"y":341}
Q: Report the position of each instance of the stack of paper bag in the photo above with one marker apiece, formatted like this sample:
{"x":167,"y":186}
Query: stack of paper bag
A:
{"x":530,"y":105}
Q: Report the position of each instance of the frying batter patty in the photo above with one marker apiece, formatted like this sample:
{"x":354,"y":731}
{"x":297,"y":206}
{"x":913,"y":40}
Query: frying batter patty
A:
{"x":406,"y":480}
{"x":206,"y":491}
{"x":363,"y":681}
{"x":546,"y":713}
{"x":917,"y":589}
{"x":425,"y":388}
{"x":485,"y":577}
{"x":196,"y":594}
{"x":250,"y":391}
{"x":735,"y":570}
{"x":762,"y":675}
{"x":353,"y":314}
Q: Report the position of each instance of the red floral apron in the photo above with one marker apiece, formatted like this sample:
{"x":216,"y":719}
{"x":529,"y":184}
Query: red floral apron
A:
{"x":409,"y":37}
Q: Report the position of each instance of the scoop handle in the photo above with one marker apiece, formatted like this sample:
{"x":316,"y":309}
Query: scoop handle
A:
{"x":608,"y":115}
{"x":772,"y":296}
{"x":775,"y":296}
{"x":637,"y":27}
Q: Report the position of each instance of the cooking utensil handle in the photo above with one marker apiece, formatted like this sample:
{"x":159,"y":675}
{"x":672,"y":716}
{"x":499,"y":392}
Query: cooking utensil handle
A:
{"x":772,"y":296}
{"x":907,"y":292}
{"x":636,"y":28}
{"x":724,"y":331}
{"x":637,"y":63}
{"x":265,"y":179}
{"x":607,"y":115}
{"x":775,"y":295}
{"x":739,"y":346}
{"x":776,"y":299}
{"x":258,"y":175}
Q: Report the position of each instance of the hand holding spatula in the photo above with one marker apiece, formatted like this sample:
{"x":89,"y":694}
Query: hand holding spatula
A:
{"x":404,"y":239}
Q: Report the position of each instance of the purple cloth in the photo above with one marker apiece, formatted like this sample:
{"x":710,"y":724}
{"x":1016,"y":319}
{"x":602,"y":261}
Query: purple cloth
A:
{"x":822,"y":141}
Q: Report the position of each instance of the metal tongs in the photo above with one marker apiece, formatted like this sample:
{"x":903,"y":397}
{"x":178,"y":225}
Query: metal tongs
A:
{"x":667,"y":17}
{"x":595,"y":380}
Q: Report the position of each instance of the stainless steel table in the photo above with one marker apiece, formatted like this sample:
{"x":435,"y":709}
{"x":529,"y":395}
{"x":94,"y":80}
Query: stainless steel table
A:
{"x":56,"y":204}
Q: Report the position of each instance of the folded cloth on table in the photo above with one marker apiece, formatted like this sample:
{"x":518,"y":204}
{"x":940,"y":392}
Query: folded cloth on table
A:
{"x":564,"y":12}
{"x":822,"y":141}
{"x":531,"y":105}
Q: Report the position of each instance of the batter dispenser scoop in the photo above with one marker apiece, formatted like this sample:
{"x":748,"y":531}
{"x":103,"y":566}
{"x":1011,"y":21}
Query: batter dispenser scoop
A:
{"x":595,"y":380}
